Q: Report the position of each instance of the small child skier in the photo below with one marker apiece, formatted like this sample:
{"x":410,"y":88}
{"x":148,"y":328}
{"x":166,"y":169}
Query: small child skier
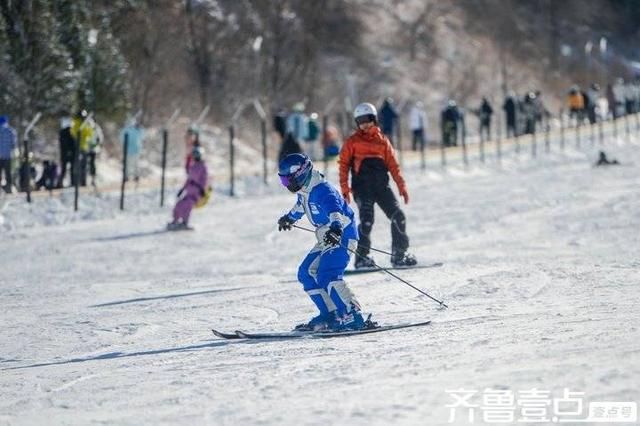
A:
{"x":191,"y":192}
{"x":321,"y":272}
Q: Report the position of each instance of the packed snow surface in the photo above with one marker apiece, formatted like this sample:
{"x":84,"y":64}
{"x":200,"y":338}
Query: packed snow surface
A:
{"x":106,"y":319}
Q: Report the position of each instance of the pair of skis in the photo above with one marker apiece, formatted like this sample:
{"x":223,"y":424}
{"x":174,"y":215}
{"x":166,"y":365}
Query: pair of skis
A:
{"x":239,"y":334}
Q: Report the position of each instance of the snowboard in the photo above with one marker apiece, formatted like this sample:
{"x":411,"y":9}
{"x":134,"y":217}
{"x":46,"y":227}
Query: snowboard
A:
{"x":392,"y":268}
{"x":239,"y":334}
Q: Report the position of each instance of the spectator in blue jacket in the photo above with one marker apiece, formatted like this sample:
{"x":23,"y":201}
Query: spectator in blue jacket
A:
{"x":135,"y":136}
{"x":387,"y":116}
{"x":8,"y":140}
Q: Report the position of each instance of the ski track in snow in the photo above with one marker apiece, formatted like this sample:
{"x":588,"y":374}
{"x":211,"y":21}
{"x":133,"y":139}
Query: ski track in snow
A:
{"x":111,"y":322}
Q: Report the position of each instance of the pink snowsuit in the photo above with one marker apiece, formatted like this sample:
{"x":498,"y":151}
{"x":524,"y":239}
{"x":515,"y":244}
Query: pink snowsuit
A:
{"x":192,"y":191}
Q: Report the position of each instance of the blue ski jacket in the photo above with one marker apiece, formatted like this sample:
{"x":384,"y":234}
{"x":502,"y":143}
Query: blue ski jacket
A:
{"x":324,"y":205}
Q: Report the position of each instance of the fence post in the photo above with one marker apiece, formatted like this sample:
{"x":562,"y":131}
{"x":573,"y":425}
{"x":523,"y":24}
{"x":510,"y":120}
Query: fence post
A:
{"x":601,"y":130}
{"x":627,"y":127}
{"x":124,"y":169}
{"x":534,"y":144}
{"x":578,"y":133}
{"x":562,"y":129}
{"x":231,"y":161}
{"x":443,"y":154}
{"x":615,"y":127}
{"x":26,"y":168}
{"x":423,"y":154}
{"x":325,"y":157}
{"x":263,"y":129}
{"x":499,"y":139}
{"x":463,"y":135}
{"x":398,"y":141}
{"x":165,"y":142}
{"x":593,"y":134}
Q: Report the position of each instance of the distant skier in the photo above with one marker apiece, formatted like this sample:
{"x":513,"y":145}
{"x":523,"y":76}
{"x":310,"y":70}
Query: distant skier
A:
{"x":369,"y":156}
{"x":604,"y":161}
{"x":321,"y":272}
{"x":194,"y":189}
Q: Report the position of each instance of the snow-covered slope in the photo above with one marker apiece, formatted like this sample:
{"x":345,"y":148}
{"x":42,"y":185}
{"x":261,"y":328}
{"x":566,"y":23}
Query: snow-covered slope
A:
{"x":107,"y":320}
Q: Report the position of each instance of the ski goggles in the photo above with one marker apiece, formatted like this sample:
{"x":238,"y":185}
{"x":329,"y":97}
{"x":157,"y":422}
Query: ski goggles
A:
{"x":365,"y":119}
{"x":291,"y":181}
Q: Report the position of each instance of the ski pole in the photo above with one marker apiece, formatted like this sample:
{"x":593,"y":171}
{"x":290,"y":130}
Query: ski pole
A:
{"x":370,"y":248}
{"x":380,"y":268}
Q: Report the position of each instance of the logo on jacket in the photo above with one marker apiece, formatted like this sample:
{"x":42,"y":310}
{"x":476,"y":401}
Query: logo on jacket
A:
{"x":314,"y":208}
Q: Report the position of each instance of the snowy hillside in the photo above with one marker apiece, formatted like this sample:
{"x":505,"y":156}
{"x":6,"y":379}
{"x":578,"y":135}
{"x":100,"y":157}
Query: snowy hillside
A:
{"x":107,"y":320}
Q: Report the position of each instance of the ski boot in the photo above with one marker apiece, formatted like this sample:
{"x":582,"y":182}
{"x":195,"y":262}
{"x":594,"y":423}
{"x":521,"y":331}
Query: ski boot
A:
{"x":403,"y":260}
{"x":364,"y":262}
{"x":177,"y":226}
{"x":352,"y":320}
{"x":318,"y":323}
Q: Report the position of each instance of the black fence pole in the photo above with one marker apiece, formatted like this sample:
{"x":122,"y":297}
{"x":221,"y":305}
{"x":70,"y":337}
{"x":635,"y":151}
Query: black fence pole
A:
{"x":423,"y":154}
{"x":232,"y":179}
{"x":481,"y":146}
{"x":593,"y":134}
{"x":165,"y":142}
{"x":562,"y":130}
{"x":601,"y":130}
{"x":75,"y":176}
{"x":499,"y":139}
{"x":263,"y":130}
{"x":578,"y":132}
{"x":325,"y":157}
{"x":26,"y":169}
{"x":463,"y":132}
{"x":443,"y":152}
{"x":547,"y":137}
{"x":398,"y":142}
{"x":534,"y":144}
{"x":627,"y":127}
{"x":124,"y":169}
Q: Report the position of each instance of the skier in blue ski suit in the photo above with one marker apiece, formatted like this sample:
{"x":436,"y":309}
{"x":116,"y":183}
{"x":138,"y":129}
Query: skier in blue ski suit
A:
{"x":321,"y":272}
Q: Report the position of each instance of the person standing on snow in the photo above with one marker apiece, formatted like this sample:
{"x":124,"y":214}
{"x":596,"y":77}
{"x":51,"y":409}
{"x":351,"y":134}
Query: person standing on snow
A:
{"x":321,"y":272}
{"x":388,"y":117}
{"x":134,"y":136}
{"x":418,"y":125}
{"x":484,"y":114}
{"x":67,"y":151}
{"x":82,"y":133}
{"x":369,"y":156}
{"x":191,"y":192}
{"x":8,"y":142}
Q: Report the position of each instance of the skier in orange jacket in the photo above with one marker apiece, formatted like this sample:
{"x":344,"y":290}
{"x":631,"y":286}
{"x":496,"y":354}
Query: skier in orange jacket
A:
{"x":369,"y":156}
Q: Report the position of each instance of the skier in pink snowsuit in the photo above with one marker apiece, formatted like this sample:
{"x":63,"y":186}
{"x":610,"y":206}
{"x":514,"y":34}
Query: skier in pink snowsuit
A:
{"x":191,"y":192}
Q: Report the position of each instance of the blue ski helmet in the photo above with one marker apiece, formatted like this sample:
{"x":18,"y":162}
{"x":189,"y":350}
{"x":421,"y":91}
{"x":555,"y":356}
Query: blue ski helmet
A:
{"x":294,"y":171}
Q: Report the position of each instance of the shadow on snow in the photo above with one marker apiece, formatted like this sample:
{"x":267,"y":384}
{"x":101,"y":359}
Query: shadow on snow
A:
{"x":169,"y":296}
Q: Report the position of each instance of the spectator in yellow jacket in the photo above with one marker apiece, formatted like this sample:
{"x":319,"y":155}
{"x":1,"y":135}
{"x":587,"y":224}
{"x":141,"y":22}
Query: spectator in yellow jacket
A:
{"x":82,"y":133}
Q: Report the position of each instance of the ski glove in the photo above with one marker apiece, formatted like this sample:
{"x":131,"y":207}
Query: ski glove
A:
{"x":285,"y":222}
{"x":333,"y":236}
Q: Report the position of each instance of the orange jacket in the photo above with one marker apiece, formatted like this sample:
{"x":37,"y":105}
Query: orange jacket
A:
{"x":575,"y":100}
{"x":368,"y":144}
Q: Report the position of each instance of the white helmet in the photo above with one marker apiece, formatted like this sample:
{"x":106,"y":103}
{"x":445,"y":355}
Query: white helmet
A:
{"x":365,"y":109}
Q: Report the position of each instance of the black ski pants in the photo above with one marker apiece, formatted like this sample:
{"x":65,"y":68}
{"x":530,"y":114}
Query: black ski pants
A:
{"x":368,"y":192}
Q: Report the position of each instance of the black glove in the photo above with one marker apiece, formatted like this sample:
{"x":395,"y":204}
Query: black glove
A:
{"x":333,"y":236}
{"x":285,"y":222}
